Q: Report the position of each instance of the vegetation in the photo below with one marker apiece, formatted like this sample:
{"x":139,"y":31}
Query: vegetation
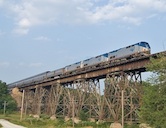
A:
{"x":153,"y":110}
{"x":5,"y":97}
{"x":83,"y":116}
{"x":31,"y":122}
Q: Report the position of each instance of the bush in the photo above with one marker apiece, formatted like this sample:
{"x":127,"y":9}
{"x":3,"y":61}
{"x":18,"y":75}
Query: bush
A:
{"x":5,"y":96}
{"x":83,"y":116}
{"x":44,"y":116}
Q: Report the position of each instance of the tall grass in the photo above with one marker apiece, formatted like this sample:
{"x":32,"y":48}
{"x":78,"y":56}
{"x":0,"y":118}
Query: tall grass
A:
{"x":45,"y":122}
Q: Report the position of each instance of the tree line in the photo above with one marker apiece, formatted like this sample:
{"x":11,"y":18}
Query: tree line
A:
{"x":7,"y":103}
{"x":153,"y":108}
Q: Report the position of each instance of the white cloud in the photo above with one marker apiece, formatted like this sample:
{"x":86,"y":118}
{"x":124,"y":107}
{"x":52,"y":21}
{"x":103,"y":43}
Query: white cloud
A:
{"x":24,"y":23}
{"x":151,"y":5}
{"x":133,"y":20}
{"x":1,"y":2}
{"x":4,"y":64}
{"x":42,"y":38}
{"x":51,"y":12}
{"x":21,"y":31}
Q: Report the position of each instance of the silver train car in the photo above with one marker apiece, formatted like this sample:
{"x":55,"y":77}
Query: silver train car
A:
{"x":73,"y":67}
{"x":95,"y":60}
{"x":29,"y":80}
{"x":55,"y":74}
{"x":141,"y":48}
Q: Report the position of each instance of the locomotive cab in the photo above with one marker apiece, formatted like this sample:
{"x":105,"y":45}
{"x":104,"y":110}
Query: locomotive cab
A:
{"x":145,"y":47}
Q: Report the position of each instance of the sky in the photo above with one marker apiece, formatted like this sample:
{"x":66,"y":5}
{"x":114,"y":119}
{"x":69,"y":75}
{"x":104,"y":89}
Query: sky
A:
{"x":44,"y":35}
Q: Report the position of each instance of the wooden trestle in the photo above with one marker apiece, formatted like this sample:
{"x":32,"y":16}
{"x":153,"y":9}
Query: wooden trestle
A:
{"x":80,"y":93}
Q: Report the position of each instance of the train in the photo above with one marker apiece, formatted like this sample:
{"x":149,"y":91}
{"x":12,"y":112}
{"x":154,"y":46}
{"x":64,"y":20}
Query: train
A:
{"x":140,"y":48}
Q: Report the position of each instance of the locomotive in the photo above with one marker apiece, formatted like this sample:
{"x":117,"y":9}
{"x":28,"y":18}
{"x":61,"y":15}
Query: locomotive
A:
{"x":140,"y":48}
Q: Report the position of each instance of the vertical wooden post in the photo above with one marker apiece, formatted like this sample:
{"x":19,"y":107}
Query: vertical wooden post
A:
{"x":22,"y":105}
{"x":4,"y":110}
{"x":73,"y":113}
{"x":122,"y":108}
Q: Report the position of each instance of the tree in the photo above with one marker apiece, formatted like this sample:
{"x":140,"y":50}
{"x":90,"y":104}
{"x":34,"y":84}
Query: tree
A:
{"x":153,"y":109}
{"x":5,"y":96}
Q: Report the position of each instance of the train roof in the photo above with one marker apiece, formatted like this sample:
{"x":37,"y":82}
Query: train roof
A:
{"x":29,"y":77}
{"x":142,"y":43}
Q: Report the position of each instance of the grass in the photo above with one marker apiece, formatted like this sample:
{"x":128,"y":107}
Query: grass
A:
{"x":45,"y":122}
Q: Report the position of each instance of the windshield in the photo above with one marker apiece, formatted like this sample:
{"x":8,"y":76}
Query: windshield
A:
{"x":145,"y":44}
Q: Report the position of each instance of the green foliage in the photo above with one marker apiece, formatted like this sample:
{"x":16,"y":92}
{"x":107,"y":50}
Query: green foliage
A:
{"x":131,"y":126}
{"x":5,"y":96}
{"x":31,"y":122}
{"x":158,"y":64}
{"x":44,"y":116}
{"x":83,"y":116}
{"x":153,"y":109}
{"x":158,"y":67}
{"x":3,"y":89}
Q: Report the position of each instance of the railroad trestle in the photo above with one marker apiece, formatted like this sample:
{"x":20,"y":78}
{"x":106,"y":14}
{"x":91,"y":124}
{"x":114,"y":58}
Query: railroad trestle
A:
{"x":84,"y":96}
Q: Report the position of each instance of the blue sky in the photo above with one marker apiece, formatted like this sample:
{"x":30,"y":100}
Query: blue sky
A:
{"x":43,"y":35}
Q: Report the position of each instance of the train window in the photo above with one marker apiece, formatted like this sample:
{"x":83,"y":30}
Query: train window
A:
{"x":144,"y":44}
{"x":111,"y":57}
{"x":128,"y":46}
{"x":77,"y":63}
{"x":147,"y":46}
{"x":106,"y":54}
{"x":98,"y":56}
{"x":87,"y":59}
